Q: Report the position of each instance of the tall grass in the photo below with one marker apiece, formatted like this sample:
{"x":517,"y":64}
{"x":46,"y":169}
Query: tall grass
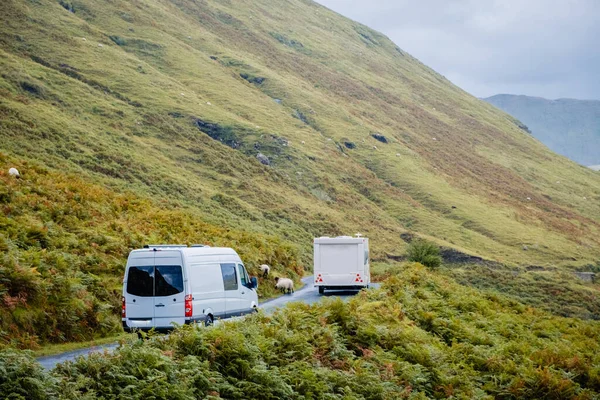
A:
{"x":419,"y":336}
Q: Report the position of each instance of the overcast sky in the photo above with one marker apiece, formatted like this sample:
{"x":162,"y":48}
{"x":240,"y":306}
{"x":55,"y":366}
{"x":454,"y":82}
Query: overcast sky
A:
{"x":546,"y":48}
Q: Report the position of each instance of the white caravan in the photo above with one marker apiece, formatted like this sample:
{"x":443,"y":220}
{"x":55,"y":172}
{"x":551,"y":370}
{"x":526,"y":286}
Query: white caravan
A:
{"x":170,"y":284}
{"x":341,"y":263}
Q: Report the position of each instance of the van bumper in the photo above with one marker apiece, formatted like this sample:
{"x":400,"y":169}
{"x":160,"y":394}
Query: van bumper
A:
{"x":196,"y":320}
{"x":343,"y":287}
{"x":129,"y":329}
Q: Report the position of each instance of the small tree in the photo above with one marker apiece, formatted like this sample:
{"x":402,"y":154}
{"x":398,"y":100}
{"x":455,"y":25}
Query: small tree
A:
{"x":425,"y":252}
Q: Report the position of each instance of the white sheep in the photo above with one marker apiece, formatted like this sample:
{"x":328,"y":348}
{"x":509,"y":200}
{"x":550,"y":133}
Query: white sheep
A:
{"x":284,"y":284}
{"x":265,"y":269}
{"x":14,"y":172}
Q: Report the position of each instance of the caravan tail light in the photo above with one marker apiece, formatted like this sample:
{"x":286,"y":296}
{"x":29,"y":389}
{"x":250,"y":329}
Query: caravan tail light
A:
{"x":319,"y":279}
{"x":123,"y":307}
{"x":188,"y":306}
{"x":358,"y":278}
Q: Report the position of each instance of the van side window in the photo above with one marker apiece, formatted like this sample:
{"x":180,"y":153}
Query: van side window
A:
{"x":140,"y":281}
{"x":243,"y":275}
{"x":169,"y":280}
{"x":229,"y":276}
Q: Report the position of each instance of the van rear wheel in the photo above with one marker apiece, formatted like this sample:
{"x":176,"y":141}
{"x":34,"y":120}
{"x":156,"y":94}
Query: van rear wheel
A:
{"x":209,"y":321}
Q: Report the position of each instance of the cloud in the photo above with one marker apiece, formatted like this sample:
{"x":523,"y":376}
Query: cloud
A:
{"x":544,"y":48}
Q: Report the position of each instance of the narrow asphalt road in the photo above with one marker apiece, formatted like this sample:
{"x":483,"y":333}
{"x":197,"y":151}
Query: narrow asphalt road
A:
{"x":308,"y":294}
{"x":49,"y":362}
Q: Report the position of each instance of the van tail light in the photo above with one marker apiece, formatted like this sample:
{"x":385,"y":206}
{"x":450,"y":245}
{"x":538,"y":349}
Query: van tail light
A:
{"x":123,"y":314}
{"x":188,"y":306}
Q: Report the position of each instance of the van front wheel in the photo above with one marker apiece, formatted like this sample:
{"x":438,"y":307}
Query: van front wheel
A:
{"x":209,"y":321}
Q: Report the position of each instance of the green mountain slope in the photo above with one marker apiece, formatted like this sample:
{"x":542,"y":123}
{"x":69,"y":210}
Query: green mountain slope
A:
{"x":138,"y":103}
{"x":180,"y":104}
{"x":567,"y":126}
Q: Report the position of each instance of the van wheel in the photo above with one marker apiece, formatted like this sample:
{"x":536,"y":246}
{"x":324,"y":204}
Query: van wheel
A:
{"x":209,"y":321}
{"x":321,"y":289}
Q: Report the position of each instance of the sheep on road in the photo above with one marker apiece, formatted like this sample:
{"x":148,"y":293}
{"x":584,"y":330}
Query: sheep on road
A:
{"x":286,"y":285}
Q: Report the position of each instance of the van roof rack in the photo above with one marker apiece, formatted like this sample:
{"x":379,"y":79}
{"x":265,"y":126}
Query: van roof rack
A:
{"x":164,"y":246}
{"x":199,"y":245}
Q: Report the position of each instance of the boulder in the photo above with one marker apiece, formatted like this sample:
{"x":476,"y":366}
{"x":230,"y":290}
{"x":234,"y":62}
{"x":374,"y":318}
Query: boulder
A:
{"x":379,"y":137}
{"x":263,"y":159}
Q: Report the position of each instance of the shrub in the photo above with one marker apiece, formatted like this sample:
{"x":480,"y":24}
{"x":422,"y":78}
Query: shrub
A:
{"x":425,"y":252}
{"x":21,"y":377}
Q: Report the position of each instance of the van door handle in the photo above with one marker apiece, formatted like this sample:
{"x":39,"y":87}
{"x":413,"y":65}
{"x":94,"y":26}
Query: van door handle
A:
{"x":243,"y":292}
{"x":159,"y":305}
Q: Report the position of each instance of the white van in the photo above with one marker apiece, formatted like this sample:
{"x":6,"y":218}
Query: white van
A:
{"x":341,"y":263}
{"x":167,"y":284}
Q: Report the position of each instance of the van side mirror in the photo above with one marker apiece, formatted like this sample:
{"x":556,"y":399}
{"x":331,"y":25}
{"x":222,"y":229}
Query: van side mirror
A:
{"x":253,"y":282}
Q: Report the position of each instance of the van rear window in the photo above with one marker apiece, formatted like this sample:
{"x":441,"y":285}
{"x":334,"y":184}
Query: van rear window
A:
{"x":140,"y":281}
{"x":169,"y":280}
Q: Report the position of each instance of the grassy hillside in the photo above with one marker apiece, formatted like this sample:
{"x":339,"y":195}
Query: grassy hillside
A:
{"x":420,"y":336}
{"x":176,"y":99}
{"x":63,"y":242}
{"x":567,"y":126}
{"x":177,"y":106}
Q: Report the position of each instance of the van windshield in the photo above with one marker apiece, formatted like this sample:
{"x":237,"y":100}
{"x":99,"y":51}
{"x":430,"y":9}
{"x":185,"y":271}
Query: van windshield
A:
{"x":148,"y":281}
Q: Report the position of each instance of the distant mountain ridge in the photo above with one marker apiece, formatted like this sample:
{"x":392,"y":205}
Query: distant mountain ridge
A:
{"x":567,"y":126}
